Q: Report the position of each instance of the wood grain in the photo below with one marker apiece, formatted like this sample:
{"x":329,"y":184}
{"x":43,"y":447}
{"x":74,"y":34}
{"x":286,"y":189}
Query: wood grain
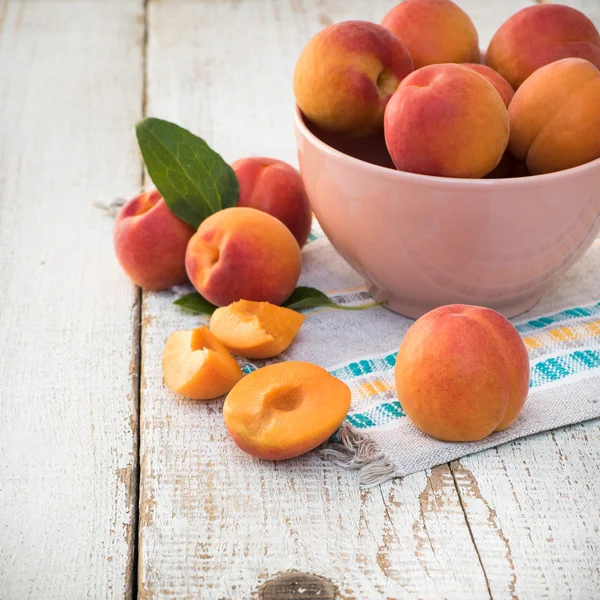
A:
{"x":216,"y":523}
{"x":71,"y":85}
{"x":534,"y":509}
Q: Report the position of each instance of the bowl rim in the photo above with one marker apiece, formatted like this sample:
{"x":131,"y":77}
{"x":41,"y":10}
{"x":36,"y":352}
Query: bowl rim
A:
{"x":397,"y":175}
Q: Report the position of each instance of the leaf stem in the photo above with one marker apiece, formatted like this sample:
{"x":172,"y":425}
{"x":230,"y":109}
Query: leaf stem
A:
{"x":359,"y":307}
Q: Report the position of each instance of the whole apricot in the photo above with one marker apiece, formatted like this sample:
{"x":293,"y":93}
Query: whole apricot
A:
{"x":462,"y":372}
{"x":243,"y":253}
{"x":555,"y":117}
{"x":434,"y":31}
{"x":150,"y":242}
{"x":276,"y":188}
{"x":538,"y":35}
{"x":347,"y":73}
{"x":446,"y":120}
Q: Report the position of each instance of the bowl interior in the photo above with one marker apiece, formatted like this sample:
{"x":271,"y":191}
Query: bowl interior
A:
{"x":371,"y":150}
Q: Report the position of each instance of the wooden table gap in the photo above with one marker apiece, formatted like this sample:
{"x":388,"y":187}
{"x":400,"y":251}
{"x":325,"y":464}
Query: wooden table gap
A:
{"x":140,"y":324}
{"x":462,"y":506}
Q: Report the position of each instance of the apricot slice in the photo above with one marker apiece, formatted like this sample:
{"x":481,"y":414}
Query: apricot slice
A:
{"x":255,"y":329}
{"x":197,"y":365}
{"x":286,"y":409}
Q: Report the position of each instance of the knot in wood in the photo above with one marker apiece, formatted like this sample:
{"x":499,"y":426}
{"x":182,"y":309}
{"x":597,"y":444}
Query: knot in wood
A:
{"x":297,"y":586}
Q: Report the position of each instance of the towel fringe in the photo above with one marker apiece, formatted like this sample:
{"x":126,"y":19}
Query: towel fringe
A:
{"x":354,"y":451}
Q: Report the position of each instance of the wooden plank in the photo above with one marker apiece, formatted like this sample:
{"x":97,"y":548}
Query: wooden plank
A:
{"x":533,"y":508}
{"x":214,"y":522}
{"x":71,"y":91}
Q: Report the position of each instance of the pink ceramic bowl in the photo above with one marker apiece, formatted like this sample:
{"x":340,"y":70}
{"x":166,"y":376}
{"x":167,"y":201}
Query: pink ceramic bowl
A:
{"x":422,"y":241}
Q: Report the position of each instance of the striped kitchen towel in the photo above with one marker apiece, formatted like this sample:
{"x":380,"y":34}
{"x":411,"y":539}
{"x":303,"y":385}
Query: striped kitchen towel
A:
{"x":562,"y":334}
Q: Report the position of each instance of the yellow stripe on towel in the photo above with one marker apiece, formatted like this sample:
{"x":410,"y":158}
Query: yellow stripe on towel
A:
{"x":553,"y":338}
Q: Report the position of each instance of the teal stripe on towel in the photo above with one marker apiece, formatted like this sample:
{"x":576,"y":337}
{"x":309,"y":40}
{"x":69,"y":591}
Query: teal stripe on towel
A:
{"x":376,"y":415}
{"x":365,"y":367}
{"x":559,"y":318}
{"x":561,"y":367}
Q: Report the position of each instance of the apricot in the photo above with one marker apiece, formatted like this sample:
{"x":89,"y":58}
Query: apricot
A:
{"x":502,"y":86}
{"x":243,"y":253}
{"x":276,"y":188}
{"x":150,"y":242}
{"x":286,"y":409}
{"x":197,"y":365}
{"x":462,"y":372}
{"x":347,"y":73}
{"x":446,"y":120}
{"x":434,"y":31}
{"x":555,"y":117}
{"x":538,"y":35}
{"x":255,"y":329}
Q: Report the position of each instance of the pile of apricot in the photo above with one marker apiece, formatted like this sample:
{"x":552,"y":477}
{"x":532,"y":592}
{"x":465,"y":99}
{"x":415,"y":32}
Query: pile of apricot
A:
{"x":532,"y":108}
{"x":276,"y":412}
{"x":462,"y":372}
{"x":246,"y":260}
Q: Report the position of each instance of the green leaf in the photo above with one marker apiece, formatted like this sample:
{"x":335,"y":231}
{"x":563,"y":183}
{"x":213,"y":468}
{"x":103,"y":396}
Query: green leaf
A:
{"x":192,"y":178}
{"x":308,"y":297}
{"x":196,"y":303}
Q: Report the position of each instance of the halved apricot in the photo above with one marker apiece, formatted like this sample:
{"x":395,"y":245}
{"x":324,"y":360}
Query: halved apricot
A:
{"x":256,"y":329}
{"x":197,"y":365}
{"x":286,"y":409}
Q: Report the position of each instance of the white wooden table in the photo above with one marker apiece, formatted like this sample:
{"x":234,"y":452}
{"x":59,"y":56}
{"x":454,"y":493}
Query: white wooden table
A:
{"x":111,"y":486}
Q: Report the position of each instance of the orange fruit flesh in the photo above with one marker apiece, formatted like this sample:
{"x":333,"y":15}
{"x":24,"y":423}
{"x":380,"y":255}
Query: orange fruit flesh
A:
{"x":256,"y":329}
{"x":197,"y":365}
{"x":286,"y":409}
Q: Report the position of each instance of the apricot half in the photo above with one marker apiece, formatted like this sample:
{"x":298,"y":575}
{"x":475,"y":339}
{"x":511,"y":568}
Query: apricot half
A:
{"x":256,"y":329}
{"x":197,"y":365}
{"x":286,"y":409}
